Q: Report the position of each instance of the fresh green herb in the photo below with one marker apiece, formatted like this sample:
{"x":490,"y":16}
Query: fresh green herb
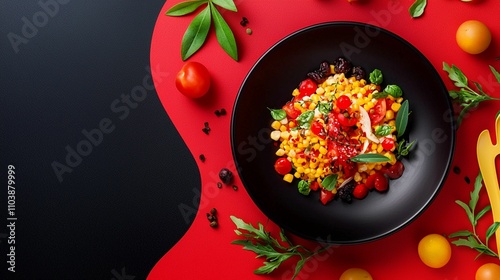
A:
{"x":379,"y":95}
{"x":402,"y":118}
{"x":305,"y":119}
{"x":329,"y":182}
{"x":417,"y":8}
{"x":260,"y":241}
{"x":370,"y":158}
{"x":404,"y":148}
{"x":383,"y":130}
{"x":394,"y":91}
{"x":376,"y":77}
{"x":325,"y":107}
{"x":277,"y":114}
{"x":304,"y":187}
{"x":467,"y":97}
{"x":198,"y":29}
{"x":470,"y":238}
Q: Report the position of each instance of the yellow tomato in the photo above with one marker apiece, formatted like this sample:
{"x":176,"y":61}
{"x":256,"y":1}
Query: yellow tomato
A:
{"x":355,"y":274}
{"x":434,"y":250}
{"x":488,"y":271}
{"x":473,"y":36}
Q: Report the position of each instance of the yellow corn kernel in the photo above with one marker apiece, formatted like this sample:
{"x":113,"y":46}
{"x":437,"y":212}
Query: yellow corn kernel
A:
{"x":275,"y":135}
{"x":323,"y":150}
{"x":392,"y":123}
{"x":280,"y":152}
{"x":320,"y":90}
{"x":315,"y":140}
{"x":288,"y":178}
{"x":378,"y":166}
{"x":296,"y":92}
{"x":276,"y":125}
{"x":389,"y":114}
{"x":355,"y":107}
{"x":315,"y":97}
{"x":291,"y":124}
{"x":391,"y":156}
{"x":284,"y":135}
{"x":297,"y":105}
{"x":357,"y":177}
{"x":399,"y":100}
{"x":369,"y":105}
{"x":340,"y":87}
{"x":297,"y":175}
{"x":283,"y":128}
{"x":313,"y":165}
{"x":300,"y":161}
{"x":374,"y":146}
{"x":312,"y":106}
{"x":380,"y":148}
{"x":322,"y":142}
{"x":395,"y":106}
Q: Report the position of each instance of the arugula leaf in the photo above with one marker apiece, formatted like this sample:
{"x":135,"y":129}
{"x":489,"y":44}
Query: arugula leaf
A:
{"x":196,"y":34}
{"x":383,"y":130}
{"x":394,"y":90}
{"x":304,"y":187}
{"x":185,"y":8}
{"x":370,"y":158}
{"x":277,"y":114}
{"x":402,"y":118}
{"x":325,"y":107}
{"x":226,"y":4}
{"x":491,"y":230}
{"x":329,"y":182}
{"x":223,"y":32}
{"x":376,"y":77}
{"x":495,"y":73}
{"x":305,"y":119}
{"x":417,"y":8}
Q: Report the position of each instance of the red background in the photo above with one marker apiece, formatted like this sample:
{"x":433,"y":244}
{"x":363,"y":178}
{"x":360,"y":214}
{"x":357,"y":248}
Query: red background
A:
{"x":206,"y":253}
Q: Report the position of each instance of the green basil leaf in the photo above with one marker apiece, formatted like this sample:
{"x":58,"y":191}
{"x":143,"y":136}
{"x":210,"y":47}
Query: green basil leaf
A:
{"x":417,"y":8}
{"x":376,"y":77}
{"x":383,"y":130}
{"x":495,"y":73}
{"x":394,"y":90}
{"x":325,"y":107}
{"x":305,"y":119}
{"x":402,"y":118}
{"x":277,"y":114}
{"x":329,"y":182}
{"x":184,"y":8}
{"x":304,"y":187}
{"x":196,"y":33}
{"x":224,"y":35}
{"x":379,"y":95}
{"x":370,"y":158}
{"x":226,"y":4}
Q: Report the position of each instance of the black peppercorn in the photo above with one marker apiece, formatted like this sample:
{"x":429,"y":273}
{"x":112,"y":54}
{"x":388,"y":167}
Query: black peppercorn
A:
{"x":226,"y":176}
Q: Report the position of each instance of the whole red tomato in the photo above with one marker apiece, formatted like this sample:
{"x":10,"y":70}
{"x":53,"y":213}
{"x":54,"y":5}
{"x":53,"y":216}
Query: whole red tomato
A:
{"x":193,"y":80}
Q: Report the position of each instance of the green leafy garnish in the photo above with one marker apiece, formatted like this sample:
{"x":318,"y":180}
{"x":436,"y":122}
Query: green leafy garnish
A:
{"x":277,"y":114}
{"x":383,"y":130}
{"x":379,"y":95}
{"x":325,"y":107}
{"x":467,"y":97}
{"x":370,"y":158}
{"x":394,"y":91}
{"x":402,"y":118}
{"x":329,"y":182}
{"x":404,"y":148}
{"x":198,"y":29}
{"x":304,"y":187}
{"x":260,"y":241}
{"x":470,"y":238}
{"x":417,"y":8}
{"x":305,"y":119}
{"x":376,"y":77}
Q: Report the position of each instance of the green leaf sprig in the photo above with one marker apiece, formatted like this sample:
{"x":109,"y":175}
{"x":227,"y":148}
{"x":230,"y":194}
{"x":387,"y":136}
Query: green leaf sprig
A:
{"x":198,"y":29}
{"x":369,"y":158}
{"x":417,"y":8}
{"x":467,"y":97}
{"x":469,"y":238}
{"x":260,"y":241}
{"x":403,"y":148}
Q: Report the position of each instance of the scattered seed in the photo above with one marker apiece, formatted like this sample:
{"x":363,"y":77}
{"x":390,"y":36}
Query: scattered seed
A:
{"x":244,"y":21}
{"x":213,"y":211}
{"x":219,"y":185}
{"x":217,"y":113}
{"x":206,"y":128}
{"x":467,"y":180}
{"x":202,"y":158}
{"x":223,"y":112}
{"x":235,"y":187}
{"x":214,"y":224}
{"x":249,"y":31}
{"x":456,"y":170}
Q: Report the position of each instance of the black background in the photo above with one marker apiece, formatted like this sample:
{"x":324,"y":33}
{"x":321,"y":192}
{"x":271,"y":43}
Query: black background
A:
{"x":117,"y":212}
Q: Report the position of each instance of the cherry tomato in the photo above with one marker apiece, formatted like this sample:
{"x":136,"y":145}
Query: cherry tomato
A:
{"x":325,"y":196}
{"x":360,"y":191}
{"x":434,"y":250}
{"x":314,"y":186}
{"x":377,"y":114}
{"x":346,"y":121}
{"x":395,"y":171}
{"x":290,"y":110}
{"x":307,"y":87}
{"x":193,"y":80}
{"x":355,"y":274}
{"x":343,"y":102}
{"x":388,"y":144}
{"x":488,"y":271}
{"x":473,"y":36}
{"x":283,"y":166}
{"x":378,"y":181}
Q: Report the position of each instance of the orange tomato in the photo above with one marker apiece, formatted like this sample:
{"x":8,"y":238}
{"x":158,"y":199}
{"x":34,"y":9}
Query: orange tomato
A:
{"x":473,"y":36}
{"x":488,"y":271}
{"x":355,"y":274}
{"x":434,"y":250}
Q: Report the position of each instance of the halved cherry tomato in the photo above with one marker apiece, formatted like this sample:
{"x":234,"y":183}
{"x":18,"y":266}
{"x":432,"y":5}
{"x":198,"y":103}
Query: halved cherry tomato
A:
{"x":343,"y":102}
{"x":290,"y":110}
{"x":307,"y":87}
{"x":193,"y":80}
{"x":325,"y":196}
{"x":377,"y":114}
{"x":360,"y":191}
{"x":314,"y":186}
{"x":346,"y":121}
{"x":317,"y":129}
{"x":395,"y":171}
{"x":378,"y":181}
{"x":283,"y":166}
{"x":388,"y":144}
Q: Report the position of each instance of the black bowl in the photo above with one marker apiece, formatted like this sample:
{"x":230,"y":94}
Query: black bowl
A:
{"x":269,"y":85}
